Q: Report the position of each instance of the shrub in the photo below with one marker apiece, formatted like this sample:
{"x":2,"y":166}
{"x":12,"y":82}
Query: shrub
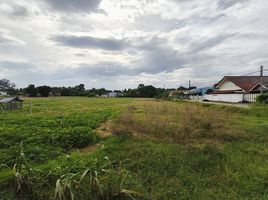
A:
{"x":77,"y":137}
{"x":263,"y":98}
{"x":103,"y":180}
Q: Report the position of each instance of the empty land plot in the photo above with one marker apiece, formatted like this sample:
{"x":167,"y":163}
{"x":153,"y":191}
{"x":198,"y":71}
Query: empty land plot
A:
{"x":152,"y":149}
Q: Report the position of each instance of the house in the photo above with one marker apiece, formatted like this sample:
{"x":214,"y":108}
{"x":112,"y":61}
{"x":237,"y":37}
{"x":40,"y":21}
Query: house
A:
{"x":111,"y":94}
{"x":11,"y":103}
{"x":2,"y":93}
{"x":236,"y":89}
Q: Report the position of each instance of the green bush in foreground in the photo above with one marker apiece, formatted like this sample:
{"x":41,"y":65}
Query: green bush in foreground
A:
{"x":263,"y":98}
{"x":101,"y":179}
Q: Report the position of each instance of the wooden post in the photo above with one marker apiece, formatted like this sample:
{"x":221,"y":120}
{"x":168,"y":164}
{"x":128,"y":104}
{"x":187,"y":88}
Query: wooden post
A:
{"x":261,"y":74}
{"x":31,"y":111}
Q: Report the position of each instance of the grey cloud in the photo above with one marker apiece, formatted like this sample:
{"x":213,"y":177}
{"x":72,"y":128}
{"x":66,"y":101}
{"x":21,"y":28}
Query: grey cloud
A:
{"x":80,"y":54}
{"x":87,"y":42}
{"x":102,"y":69}
{"x":4,"y":40}
{"x":157,"y":23}
{"x":21,"y":73}
{"x":157,"y":57}
{"x":203,"y":21}
{"x":16,"y":67}
{"x":210,"y":42}
{"x":225,"y":4}
{"x":19,"y":11}
{"x":161,"y":59}
{"x":203,"y":29}
{"x":74,"y":5}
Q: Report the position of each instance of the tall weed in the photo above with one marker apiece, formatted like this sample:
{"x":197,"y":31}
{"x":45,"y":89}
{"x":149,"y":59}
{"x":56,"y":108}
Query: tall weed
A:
{"x":176,"y":122}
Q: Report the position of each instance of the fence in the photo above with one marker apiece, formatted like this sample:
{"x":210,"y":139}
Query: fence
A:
{"x":233,"y":98}
{"x":196,"y":97}
{"x":250,"y":97}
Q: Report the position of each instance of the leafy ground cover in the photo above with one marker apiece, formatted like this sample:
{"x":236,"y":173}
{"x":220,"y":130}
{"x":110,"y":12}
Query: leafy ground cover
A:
{"x":159,"y":150}
{"x":53,"y":126}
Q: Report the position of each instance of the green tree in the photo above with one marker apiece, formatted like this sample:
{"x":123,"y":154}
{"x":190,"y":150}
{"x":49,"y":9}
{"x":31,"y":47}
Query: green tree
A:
{"x":7,"y":86}
{"x":44,"y":90}
{"x":31,"y":90}
{"x":146,"y":91}
{"x":66,"y":91}
{"x":80,"y":87}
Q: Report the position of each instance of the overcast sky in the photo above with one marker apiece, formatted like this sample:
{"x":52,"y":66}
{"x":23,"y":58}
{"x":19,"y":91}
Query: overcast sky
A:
{"x":120,"y":43}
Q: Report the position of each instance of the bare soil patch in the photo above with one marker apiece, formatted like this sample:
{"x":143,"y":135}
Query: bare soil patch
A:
{"x":105,"y":130}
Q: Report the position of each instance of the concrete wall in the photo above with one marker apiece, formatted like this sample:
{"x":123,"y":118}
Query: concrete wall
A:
{"x":232,"y":98}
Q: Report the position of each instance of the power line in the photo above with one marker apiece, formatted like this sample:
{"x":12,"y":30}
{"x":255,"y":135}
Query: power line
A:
{"x":213,"y":82}
{"x":250,"y":73}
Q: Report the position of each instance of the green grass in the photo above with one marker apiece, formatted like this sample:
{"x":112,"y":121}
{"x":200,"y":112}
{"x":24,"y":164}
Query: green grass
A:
{"x":157,"y":153}
{"x":53,"y":126}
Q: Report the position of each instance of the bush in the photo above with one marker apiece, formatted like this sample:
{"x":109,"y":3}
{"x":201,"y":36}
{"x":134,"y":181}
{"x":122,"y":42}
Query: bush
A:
{"x":263,"y":98}
{"x":77,"y":137}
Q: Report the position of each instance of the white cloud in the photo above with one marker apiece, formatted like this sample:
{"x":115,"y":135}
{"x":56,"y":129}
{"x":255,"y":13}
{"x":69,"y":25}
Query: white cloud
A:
{"x":120,"y":43}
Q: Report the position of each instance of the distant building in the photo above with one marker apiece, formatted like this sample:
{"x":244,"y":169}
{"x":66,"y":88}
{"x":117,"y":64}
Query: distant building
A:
{"x":12,"y":103}
{"x":198,"y":93}
{"x":236,"y":89}
{"x":111,"y":94}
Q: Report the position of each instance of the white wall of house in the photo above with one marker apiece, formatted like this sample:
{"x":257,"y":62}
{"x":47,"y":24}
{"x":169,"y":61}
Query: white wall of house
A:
{"x":229,"y":86}
{"x":232,"y":98}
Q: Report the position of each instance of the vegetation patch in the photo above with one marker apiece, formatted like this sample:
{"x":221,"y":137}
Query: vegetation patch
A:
{"x":176,"y":122}
{"x":50,"y":127}
{"x":149,"y":150}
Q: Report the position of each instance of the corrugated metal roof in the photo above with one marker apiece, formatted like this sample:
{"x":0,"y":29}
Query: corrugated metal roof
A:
{"x":5,"y":100}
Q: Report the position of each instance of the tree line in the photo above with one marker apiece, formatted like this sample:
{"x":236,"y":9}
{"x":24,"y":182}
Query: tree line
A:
{"x":142,"y":90}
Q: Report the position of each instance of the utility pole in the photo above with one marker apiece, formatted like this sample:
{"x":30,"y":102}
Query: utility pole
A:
{"x":189,"y":84}
{"x":261,"y":77}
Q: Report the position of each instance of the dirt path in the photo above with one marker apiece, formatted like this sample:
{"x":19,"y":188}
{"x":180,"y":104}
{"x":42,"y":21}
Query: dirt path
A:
{"x":105,"y":130}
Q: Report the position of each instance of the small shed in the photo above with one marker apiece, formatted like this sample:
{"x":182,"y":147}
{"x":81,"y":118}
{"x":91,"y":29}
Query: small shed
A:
{"x":12,"y":103}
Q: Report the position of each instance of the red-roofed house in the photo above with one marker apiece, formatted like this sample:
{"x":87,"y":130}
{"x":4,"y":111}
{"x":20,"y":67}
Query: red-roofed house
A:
{"x":238,"y":89}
